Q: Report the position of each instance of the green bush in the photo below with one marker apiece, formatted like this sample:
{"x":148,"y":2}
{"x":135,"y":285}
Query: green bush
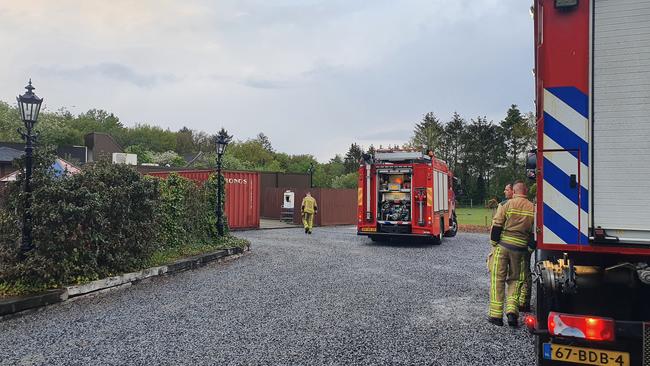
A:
{"x":186,"y":213}
{"x":108,"y":219}
{"x":84,"y":226}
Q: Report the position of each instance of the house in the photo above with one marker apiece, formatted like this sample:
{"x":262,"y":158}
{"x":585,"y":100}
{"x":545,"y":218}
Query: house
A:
{"x":7,"y":156}
{"x":101,"y":146}
{"x":13,"y":150}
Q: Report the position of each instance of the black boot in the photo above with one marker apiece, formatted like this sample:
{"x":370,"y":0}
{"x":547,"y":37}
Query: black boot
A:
{"x":513,"y":320}
{"x":496,"y":321}
{"x":306,"y":230}
{"x":524,"y":309}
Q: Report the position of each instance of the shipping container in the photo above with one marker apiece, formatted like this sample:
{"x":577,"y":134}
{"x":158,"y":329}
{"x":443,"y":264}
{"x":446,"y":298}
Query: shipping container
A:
{"x":242,"y":194}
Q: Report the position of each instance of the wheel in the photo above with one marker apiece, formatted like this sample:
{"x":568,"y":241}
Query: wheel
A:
{"x":453,"y":226}
{"x":542,"y":308}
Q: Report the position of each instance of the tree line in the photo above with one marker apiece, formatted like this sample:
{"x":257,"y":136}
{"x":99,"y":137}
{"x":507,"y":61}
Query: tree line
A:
{"x":484,"y":155}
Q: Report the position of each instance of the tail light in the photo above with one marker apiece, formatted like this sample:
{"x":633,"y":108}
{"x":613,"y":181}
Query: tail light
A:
{"x":579,"y":326}
{"x":531,"y":322}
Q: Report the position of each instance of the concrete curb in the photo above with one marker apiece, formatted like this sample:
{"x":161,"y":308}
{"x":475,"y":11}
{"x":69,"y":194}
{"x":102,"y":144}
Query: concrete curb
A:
{"x":11,"y":306}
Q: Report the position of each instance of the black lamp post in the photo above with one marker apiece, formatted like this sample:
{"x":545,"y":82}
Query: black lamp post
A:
{"x":30,"y":106}
{"x":311,"y":175}
{"x":222,"y":142}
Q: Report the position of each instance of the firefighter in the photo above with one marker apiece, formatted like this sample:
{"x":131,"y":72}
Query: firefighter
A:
{"x":308,"y":209}
{"x":507,"y":192}
{"x":511,"y":230}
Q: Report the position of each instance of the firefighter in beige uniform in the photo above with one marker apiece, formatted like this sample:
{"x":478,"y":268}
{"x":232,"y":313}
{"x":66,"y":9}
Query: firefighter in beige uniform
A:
{"x":512,"y":228}
{"x":308,"y":210}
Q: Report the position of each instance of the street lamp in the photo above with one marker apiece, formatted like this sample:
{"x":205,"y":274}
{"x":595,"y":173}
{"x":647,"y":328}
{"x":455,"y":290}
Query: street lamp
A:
{"x":29,"y":106}
{"x":311,"y":175}
{"x":222,"y":142}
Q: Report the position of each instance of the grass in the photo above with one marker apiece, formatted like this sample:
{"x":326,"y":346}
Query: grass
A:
{"x":169,"y":255}
{"x":474,"y":216}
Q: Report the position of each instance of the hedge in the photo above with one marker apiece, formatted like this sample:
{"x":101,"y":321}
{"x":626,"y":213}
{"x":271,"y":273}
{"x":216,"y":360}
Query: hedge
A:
{"x":108,"y":219}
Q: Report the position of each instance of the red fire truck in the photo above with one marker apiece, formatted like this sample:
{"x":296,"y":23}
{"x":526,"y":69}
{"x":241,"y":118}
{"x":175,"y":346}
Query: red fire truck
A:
{"x":592,"y":168}
{"x":405,"y":194}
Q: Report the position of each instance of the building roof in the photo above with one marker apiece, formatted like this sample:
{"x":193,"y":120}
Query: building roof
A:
{"x":60,"y":167}
{"x":76,"y":154}
{"x":8,"y":154}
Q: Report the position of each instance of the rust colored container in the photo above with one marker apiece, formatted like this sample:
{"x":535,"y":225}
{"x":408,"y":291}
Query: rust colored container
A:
{"x":242,"y":195}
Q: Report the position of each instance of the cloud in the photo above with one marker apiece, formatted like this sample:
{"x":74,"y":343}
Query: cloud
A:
{"x":314,"y":75}
{"x":109,"y":70}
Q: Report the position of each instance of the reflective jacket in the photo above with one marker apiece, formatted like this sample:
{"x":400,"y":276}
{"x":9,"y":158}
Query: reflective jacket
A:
{"x":309,"y":205}
{"x":513,"y":223}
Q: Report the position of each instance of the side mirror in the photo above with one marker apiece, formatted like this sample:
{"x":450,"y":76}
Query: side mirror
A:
{"x":531,"y":165}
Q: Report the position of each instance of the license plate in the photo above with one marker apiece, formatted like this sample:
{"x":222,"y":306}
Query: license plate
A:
{"x":369,"y":229}
{"x":585,"y":356}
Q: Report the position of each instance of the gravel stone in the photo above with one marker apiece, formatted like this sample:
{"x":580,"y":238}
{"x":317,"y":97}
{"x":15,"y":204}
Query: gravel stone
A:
{"x":330,"y":298}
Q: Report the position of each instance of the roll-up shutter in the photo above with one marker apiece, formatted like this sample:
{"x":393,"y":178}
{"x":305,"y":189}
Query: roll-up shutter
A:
{"x":621,"y":118}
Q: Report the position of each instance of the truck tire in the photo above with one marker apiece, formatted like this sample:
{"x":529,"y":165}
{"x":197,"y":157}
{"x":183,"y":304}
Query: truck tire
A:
{"x":543,"y":305}
{"x":453,"y":226}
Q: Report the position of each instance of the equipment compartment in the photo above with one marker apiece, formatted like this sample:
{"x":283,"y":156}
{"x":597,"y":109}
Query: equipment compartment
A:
{"x":394,"y":196}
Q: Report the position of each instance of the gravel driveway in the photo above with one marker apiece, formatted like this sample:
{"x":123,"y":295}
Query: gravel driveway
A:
{"x":331,"y":298}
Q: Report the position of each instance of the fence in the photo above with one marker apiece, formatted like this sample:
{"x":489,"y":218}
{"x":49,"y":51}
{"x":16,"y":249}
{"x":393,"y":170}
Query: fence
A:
{"x":335,"y":206}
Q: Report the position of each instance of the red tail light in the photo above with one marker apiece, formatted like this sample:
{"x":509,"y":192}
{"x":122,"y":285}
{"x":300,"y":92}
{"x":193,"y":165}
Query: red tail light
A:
{"x":579,"y":326}
{"x":531,"y":322}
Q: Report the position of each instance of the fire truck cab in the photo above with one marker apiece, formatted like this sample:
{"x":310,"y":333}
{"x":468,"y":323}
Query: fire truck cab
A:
{"x":592,"y":168}
{"x":405,"y":194}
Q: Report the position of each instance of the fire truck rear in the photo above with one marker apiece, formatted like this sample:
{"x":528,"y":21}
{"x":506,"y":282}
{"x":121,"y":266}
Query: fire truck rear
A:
{"x":592,"y":167}
{"x":405,"y":194}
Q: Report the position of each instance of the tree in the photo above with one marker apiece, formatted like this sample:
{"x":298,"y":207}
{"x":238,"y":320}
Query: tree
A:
{"x":483,"y":154}
{"x":250,"y":151}
{"x":349,"y":180}
{"x":203,"y":141}
{"x":168,"y":158}
{"x":427,"y":134}
{"x":352,"y":158}
{"x":265,"y":142}
{"x":144,"y":156}
{"x":152,"y":138}
{"x":371,"y":150}
{"x":452,"y":151}
{"x":185,"y":141}
{"x":518,"y":135}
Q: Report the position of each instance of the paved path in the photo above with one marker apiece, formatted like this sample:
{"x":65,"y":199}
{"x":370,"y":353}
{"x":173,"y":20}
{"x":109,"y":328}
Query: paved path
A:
{"x":331,"y":298}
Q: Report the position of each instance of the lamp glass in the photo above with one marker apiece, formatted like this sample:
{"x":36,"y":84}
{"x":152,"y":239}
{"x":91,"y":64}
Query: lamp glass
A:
{"x":221,"y":147}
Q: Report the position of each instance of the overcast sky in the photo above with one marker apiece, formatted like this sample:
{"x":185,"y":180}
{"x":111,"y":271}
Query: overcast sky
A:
{"x":312,"y":75}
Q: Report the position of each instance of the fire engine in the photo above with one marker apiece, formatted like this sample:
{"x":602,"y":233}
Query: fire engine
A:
{"x":592,"y":168}
{"x":406,"y":194}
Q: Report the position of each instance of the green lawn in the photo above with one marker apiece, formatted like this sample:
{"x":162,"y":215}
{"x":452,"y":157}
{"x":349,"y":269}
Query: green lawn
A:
{"x":474,"y":216}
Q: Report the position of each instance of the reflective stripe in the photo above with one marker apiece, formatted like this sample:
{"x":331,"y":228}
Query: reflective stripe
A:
{"x":512,"y":240}
{"x":519,"y":213}
{"x":496,"y":305}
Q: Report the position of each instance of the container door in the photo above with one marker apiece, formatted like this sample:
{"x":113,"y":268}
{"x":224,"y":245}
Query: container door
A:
{"x":565,"y":199}
{"x":621,"y":119}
